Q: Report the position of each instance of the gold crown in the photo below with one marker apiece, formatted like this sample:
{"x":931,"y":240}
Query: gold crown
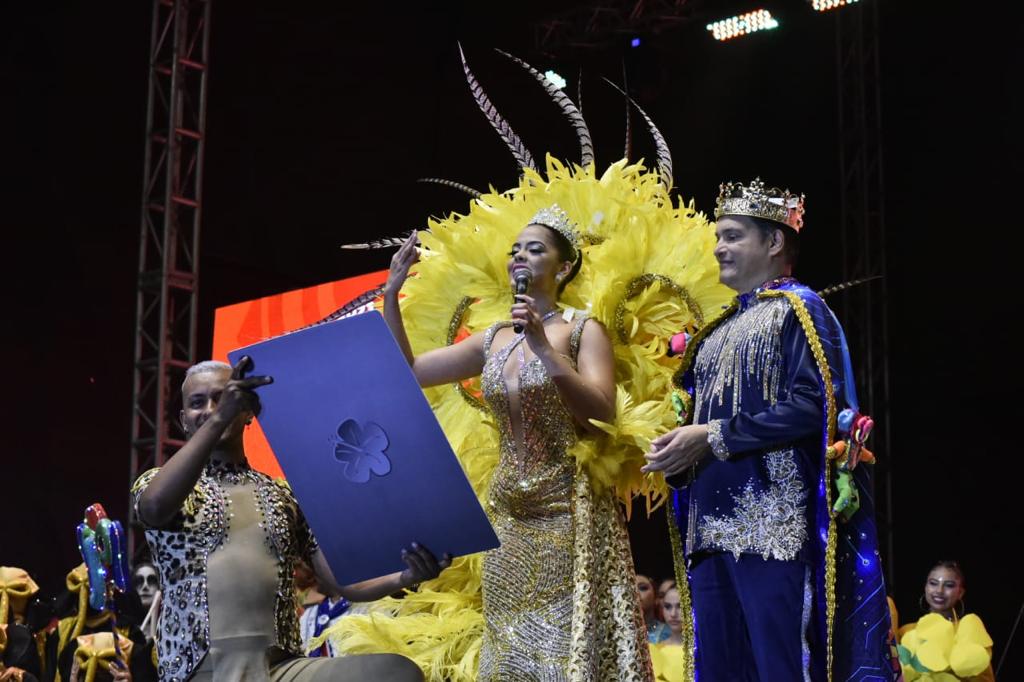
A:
{"x":754,"y":200}
{"x":558,"y":220}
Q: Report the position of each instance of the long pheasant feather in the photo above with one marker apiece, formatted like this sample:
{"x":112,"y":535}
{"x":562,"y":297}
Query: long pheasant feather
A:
{"x":567,"y":107}
{"x":355,"y":304}
{"x":512,"y":141}
{"x":384,"y":243}
{"x":579,"y":91}
{"x":628,"y":153}
{"x":836,"y":288}
{"x":661,"y":146}
{"x":475,"y":193}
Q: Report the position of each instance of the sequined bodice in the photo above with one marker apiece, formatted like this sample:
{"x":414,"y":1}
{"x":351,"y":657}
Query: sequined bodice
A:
{"x":528,"y":581}
{"x":534,"y":474}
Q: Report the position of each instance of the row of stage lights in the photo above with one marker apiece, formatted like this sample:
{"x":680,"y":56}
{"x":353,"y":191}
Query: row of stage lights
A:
{"x":826,"y":5}
{"x":734,"y":27}
{"x":762,"y":20}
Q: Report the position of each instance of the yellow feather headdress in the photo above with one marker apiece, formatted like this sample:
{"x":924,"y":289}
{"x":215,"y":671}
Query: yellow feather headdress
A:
{"x":648,"y":272}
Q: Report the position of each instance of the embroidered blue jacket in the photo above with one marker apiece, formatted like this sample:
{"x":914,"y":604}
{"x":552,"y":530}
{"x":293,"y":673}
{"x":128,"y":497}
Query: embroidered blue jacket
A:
{"x":755,"y":384}
{"x":769,"y":378}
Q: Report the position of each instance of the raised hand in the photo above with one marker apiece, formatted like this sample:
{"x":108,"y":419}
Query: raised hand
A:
{"x":406,"y":256}
{"x":239,"y":394}
{"x":524,"y":313}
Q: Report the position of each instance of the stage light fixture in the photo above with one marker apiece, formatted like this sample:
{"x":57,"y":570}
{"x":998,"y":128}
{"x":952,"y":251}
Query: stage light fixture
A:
{"x":555,"y":79}
{"x":734,"y":27}
{"x":635,"y":42}
{"x":826,"y":5}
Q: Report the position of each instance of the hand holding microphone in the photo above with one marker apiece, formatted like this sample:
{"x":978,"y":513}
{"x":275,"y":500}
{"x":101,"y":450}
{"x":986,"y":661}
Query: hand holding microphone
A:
{"x":522,"y":279}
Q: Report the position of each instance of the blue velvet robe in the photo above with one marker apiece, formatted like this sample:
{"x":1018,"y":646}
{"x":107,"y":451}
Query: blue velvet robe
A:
{"x":768,"y":378}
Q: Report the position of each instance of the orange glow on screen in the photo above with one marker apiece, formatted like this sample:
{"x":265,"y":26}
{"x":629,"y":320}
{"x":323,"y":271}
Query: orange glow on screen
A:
{"x":249,"y":322}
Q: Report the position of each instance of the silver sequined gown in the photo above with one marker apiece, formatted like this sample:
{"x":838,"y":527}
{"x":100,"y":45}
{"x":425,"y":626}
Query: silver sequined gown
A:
{"x":560,"y":593}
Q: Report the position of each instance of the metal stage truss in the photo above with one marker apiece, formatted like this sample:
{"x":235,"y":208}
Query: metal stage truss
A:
{"x":168,"y":279}
{"x":607,"y":23}
{"x":865,"y":309}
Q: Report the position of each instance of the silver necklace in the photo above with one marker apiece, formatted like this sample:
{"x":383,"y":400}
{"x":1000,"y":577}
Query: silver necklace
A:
{"x":520,"y":353}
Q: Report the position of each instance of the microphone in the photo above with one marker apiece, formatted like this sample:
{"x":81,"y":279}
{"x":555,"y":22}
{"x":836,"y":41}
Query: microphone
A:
{"x":522,"y":279}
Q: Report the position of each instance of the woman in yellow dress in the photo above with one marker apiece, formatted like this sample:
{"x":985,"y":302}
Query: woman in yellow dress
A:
{"x":946,"y":643}
{"x":668,"y":656}
{"x":544,"y":377}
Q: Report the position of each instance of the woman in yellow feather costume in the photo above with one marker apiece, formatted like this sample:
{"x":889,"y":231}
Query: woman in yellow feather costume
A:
{"x":647,"y":272}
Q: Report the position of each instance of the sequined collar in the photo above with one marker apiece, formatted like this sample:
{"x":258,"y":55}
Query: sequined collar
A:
{"x":749,"y":298}
{"x":232,"y":473}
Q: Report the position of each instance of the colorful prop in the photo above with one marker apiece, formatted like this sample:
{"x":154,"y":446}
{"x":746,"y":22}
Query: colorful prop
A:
{"x":849,"y":452}
{"x":856,"y":428}
{"x":102,"y":544}
{"x":677,"y":344}
{"x":848,"y":501}
{"x":681,"y":403}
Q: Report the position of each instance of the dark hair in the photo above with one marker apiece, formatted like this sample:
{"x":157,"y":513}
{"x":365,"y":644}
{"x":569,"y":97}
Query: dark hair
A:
{"x":951,"y":565}
{"x":136,"y":567}
{"x":565,"y":250}
{"x":791,"y":239}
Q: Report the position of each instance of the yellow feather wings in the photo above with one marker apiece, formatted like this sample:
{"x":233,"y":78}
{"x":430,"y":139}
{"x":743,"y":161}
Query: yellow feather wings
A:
{"x":648,"y":272}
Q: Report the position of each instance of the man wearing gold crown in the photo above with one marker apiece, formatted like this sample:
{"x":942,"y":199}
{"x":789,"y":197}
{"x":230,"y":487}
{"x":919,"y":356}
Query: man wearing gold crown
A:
{"x":781,"y":588}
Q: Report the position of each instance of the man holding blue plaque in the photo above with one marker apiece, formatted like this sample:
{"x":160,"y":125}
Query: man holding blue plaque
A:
{"x":225,"y":539}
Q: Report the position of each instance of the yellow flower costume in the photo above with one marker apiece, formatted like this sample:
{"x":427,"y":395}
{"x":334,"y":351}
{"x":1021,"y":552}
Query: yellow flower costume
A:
{"x":648,"y":271}
{"x":934,"y":649}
